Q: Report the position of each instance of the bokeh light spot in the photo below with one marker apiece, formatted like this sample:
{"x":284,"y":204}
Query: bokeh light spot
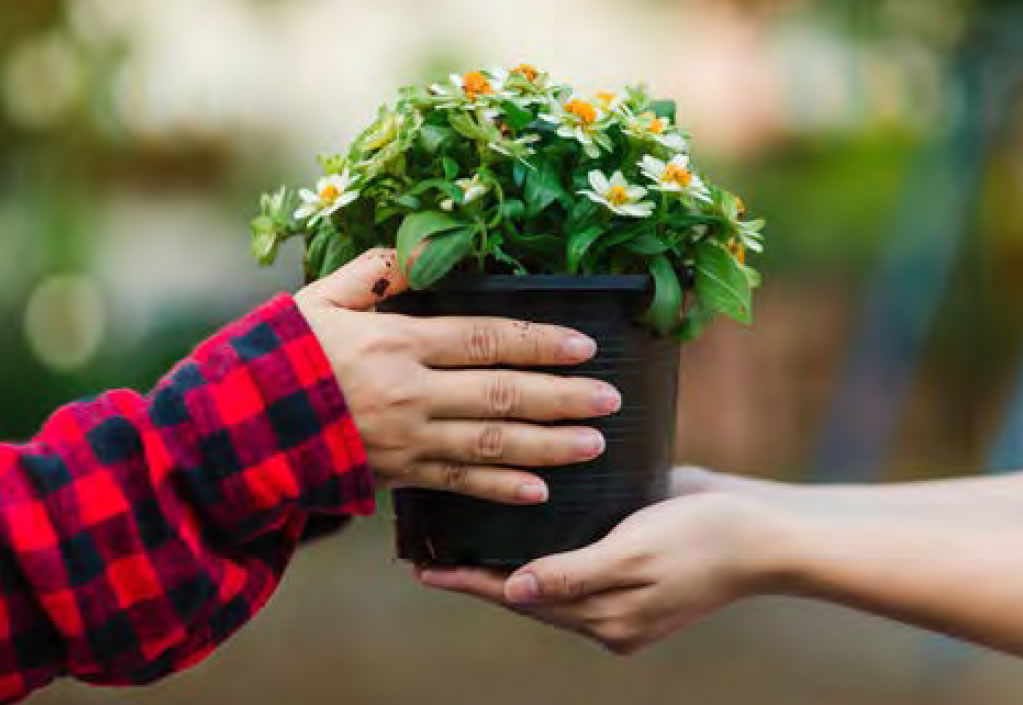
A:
{"x":65,"y":321}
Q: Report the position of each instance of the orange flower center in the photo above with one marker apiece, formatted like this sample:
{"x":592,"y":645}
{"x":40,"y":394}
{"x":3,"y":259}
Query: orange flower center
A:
{"x":476,"y":84}
{"x":528,"y":71}
{"x":737,"y":250}
{"x":655,"y":125}
{"x":329,"y":193}
{"x":617,"y":195}
{"x":606,"y":99}
{"x":582,"y":110}
{"x":676,"y":174}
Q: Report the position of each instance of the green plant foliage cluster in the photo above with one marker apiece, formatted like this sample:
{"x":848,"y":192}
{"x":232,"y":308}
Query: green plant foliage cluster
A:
{"x":511,"y":172}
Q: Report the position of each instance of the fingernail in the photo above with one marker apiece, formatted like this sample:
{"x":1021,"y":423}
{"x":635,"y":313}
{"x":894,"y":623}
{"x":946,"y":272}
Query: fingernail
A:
{"x":533,"y":493}
{"x":578,"y":347}
{"x":522,"y":588}
{"x":590,"y":444}
{"x":607,"y":400}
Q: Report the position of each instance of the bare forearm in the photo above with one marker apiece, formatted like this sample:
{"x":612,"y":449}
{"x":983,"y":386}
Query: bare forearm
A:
{"x":945,"y":555}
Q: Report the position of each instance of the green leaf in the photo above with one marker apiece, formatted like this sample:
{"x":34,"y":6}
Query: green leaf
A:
{"x":331,"y":163}
{"x":754,"y":277}
{"x":696,"y":320}
{"x":578,"y":243}
{"x":408,"y":201}
{"x":519,"y":171}
{"x":440,"y":256}
{"x":666,"y":306}
{"x":721,"y":282}
{"x":445,"y":187}
{"x":385,"y":214}
{"x":416,"y":227}
{"x":513,"y":208}
{"x":647,"y":244}
{"x":582,"y":212}
{"x":433,"y":137}
{"x":729,"y":205}
{"x":467,"y":127}
{"x":515,"y":117}
{"x":664,"y":109}
{"x":450,"y":167}
{"x":340,"y":251}
{"x":265,"y":240}
{"x":316,"y":250}
{"x":543,"y":187}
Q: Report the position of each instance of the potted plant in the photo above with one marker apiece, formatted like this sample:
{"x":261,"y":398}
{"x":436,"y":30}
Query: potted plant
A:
{"x":528,"y":200}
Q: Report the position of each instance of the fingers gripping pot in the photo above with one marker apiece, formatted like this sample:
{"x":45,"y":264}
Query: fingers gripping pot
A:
{"x":586,"y":500}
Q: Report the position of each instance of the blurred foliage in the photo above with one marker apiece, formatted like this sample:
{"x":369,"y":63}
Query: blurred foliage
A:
{"x":829,"y":193}
{"x":847,"y":187}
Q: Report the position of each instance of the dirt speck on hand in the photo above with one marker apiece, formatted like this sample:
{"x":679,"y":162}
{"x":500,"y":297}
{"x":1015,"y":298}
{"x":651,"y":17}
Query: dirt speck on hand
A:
{"x":381,"y":286}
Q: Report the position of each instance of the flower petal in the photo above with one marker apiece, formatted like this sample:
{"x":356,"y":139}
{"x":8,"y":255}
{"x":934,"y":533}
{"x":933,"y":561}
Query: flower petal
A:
{"x":598,"y":181}
{"x":304,"y":211}
{"x":638,"y":210}
{"x":346,"y":198}
{"x":652,"y":163}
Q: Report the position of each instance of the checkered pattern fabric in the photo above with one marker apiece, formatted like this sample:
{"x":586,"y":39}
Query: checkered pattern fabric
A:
{"x":139,"y":532}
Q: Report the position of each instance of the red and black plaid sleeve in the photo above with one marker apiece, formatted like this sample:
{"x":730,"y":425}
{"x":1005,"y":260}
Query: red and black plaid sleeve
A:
{"x":138,"y":532}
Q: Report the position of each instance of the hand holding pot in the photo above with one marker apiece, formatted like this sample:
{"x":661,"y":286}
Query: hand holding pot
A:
{"x":427,"y":420}
{"x":941,"y":554}
{"x":659,"y":570}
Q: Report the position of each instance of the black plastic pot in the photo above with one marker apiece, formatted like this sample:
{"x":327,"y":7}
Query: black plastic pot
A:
{"x":586,"y":500}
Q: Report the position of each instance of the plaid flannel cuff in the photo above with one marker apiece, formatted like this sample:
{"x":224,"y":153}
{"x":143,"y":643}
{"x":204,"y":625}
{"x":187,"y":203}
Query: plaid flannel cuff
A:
{"x":272,"y":420}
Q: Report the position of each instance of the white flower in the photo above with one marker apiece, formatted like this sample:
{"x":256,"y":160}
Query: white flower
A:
{"x":332,"y":193}
{"x":610,"y":102}
{"x":674,"y":176}
{"x":618,"y":195}
{"x":647,"y":126}
{"x":471,"y":190}
{"x":581,"y":120}
{"x":471,"y":89}
{"x":525,"y":85}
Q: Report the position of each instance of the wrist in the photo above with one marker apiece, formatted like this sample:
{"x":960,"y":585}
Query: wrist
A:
{"x":770,"y":535}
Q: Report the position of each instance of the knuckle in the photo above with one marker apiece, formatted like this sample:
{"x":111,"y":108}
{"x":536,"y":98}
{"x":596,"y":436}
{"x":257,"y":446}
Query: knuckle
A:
{"x":618,"y":637}
{"x":565,"y":585}
{"x":391,"y":466}
{"x":503,"y":396}
{"x":490,"y":442}
{"x":481,"y":343}
{"x":454,"y":476}
{"x":389,"y":336}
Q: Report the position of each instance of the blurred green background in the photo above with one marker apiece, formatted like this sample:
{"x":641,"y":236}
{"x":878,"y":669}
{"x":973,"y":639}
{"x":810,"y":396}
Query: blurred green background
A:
{"x":882,"y":140}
